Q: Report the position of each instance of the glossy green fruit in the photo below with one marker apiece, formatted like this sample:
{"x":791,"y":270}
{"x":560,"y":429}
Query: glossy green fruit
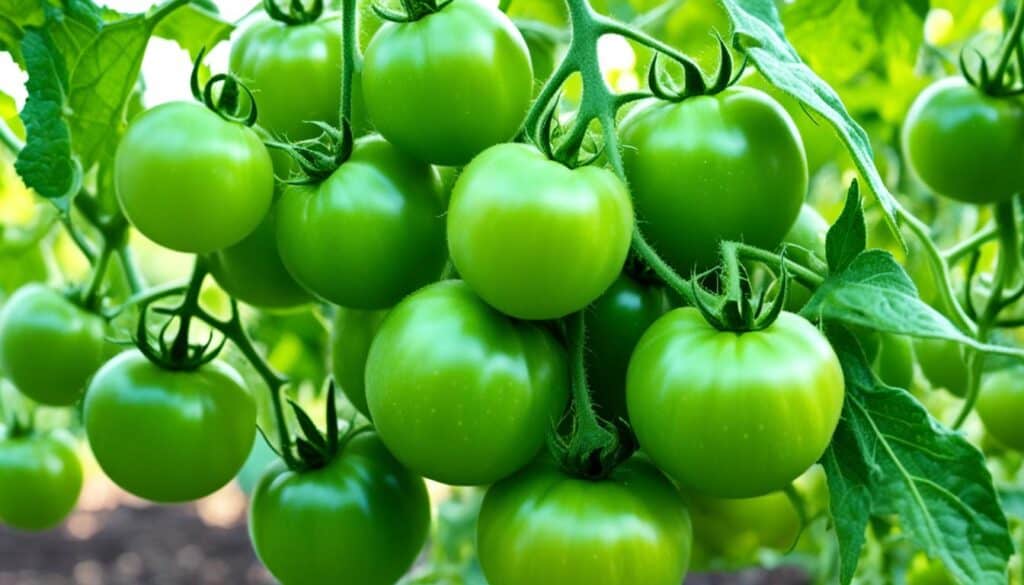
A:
{"x":731,"y":415}
{"x":711,"y":168}
{"x":460,"y":393}
{"x":362,"y":518}
{"x":450,"y":84}
{"x":965,"y":145}
{"x":894,"y":361}
{"x":1001,"y":406}
{"x":350,"y":345}
{"x":190,"y":180}
{"x":48,"y":346}
{"x":943,"y":364}
{"x":543,"y":526}
{"x":535,"y":239}
{"x":736,"y":529}
{"x":370,"y":233}
{"x":169,"y":436}
{"x":40,"y":479}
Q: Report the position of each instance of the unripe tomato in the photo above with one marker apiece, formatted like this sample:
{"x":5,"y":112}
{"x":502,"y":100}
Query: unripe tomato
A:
{"x":544,"y":526}
{"x":965,"y":145}
{"x":735,"y":529}
{"x":535,"y":239}
{"x":733,"y":415}
{"x":48,"y":346}
{"x":808,"y":232}
{"x":727,"y":167}
{"x":1001,"y":406}
{"x":169,"y":436}
{"x":943,"y":364}
{"x":350,"y":345}
{"x":370,"y":233}
{"x":460,"y":393}
{"x":190,"y":180}
{"x":450,"y":84}
{"x":294,"y":72}
{"x":40,"y":479}
{"x":362,"y":518}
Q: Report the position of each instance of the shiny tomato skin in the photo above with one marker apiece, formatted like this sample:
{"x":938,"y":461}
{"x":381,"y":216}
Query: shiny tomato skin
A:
{"x":350,"y":345}
{"x":362,"y":518}
{"x":733,"y":415}
{"x":535,"y":239}
{"x":1001,"y":406}
{"x":460,"y":393}
{"x":727,"y":167}
{"x":40,"y":479}
{"x":544,"y":526}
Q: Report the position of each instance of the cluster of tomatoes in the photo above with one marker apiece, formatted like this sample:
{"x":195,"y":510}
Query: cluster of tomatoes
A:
{"x":476,"y":286}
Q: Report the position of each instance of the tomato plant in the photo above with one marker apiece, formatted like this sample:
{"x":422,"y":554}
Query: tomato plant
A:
{"x":41,"y":480}
{"x":1000,"y":406}
{"x":353,"y":333}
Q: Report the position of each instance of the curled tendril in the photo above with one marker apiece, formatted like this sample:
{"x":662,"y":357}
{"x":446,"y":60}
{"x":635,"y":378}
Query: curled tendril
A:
{"x":227,"y":104}
{"x":317,"y":158}
{"x":160,"y":352}
{"x":694,"y":82}
{"x":413,"y":10}
{"x":297,"y":13}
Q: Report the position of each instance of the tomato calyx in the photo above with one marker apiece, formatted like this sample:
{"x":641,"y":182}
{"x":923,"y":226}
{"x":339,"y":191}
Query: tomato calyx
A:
{"x":413,"y":10}
{"x":739,"y":311}
{"x":592,"y":447}
{"x":1001,"y":81}
{"x":318,"y":158}
{"x":227,"y":104}
{"x":694,"y":81}
{"x":316,"y":449}
{"x":297,"y":13}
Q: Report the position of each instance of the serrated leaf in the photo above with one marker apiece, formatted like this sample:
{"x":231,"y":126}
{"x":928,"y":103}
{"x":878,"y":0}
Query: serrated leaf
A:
{"x":45,"y":163}
{"x":848,"y":237}
{"x":759,"y":32}
{"x":194,"y":28}
{"x":890,"y":457}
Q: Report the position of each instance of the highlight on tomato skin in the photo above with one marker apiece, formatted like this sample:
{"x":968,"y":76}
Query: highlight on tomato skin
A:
{"x":511,"y":292}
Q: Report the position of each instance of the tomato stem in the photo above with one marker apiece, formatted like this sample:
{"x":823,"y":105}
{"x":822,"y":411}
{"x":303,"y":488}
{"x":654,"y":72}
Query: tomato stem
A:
{"x":189,"y":306}
{"x":90,"y":294}
{"x":1010,"y":44}
{"x":348,"y":44}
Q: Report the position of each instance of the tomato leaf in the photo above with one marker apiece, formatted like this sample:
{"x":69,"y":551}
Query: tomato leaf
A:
{"x":759,"y":32}
{"x":890,"y":457}
{"x":45,"y":163}
{"x":848,"y":236}
{"x":194,"y":28}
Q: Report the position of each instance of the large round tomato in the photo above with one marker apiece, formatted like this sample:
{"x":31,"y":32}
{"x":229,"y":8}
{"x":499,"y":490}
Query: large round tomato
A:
{"x":48,"y":346}
{"x":808,"y":232}
{"x":450,"y":84}
{"x":615,"y":322}
{"x":733,"y":415}
{"x":1001,"y":406}
{"x":535,"y":239}
{"x":735,"y":529}
{"x":362,"y":518}
{"x":711,"y":168}
{"x":294,"y":72}
{"x":543,"y":526}
{"x":964,"y":144}
{"x":252,"y":271}
{"x":369,"y":234}
{"x":943,"y":365}
{"x":353,"y":332}
{"x":459,"y":392}
{"x":40,"y":478}
{"x":169,"y":436}
{"x":190,"y":180}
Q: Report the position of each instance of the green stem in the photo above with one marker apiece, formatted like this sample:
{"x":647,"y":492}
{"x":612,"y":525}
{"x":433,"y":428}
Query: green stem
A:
{"x":83,"y":244}
{"x":131,"y":269}
{"x":1007,"y":268}
{"x":682,"y":286}
{"x":99,"y":269}
{"x":955,"y":253}
{"x":348,"y":48}
{"x":189,"y":308}
{"x":806,"y":276}
{"x":1010,"y":43}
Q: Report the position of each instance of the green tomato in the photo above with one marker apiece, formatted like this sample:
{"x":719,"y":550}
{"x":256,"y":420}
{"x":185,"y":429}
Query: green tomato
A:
{"x":808,"y":232}
{"x":169,"y":436}
{"x":543,"y":526}
{"x":48,"y":346}
{"x":952,"y":127}
{"x":535,"y":239}
{"x":615,"y":322}
{"x":190,"y":180}
{"x":942,"y":364}
{"x":252,"y":271}
{"x":894,"y":360}
{"x":727,"y":167}
{"x":369,"y":234}
{"x":736,"y":529}
{"x":362,"y":518}
{"x":733,"y":415}
{"x":40,"y":479}
{"x":450,"y":84}
{"x":294,"y":72}
{"x":1001,"y":406}
{"x":460,"y":393}
{"x":350,"y":345}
